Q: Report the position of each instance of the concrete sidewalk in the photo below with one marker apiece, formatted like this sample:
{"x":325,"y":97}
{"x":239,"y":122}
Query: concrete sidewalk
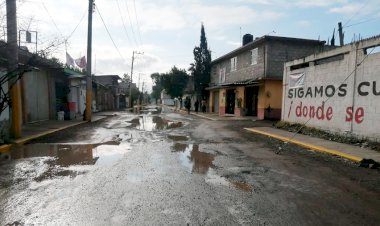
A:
{"x":38,"y":129}
{"x":351,"y":152}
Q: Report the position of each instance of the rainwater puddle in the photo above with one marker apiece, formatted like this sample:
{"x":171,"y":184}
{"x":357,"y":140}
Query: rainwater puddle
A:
{"x":178,"y":138}
{"x":64,"y":157}
{"x":154,"y":123}
{"x":193,"y":159}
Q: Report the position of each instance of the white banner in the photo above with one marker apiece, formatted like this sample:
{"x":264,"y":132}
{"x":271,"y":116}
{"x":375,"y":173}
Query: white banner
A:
{"x":296,"y":80}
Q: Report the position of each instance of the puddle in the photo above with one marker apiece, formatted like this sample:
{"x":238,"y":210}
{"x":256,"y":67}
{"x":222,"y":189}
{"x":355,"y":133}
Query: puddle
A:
{"x":242,"y":186}
{"x":63,"y":157}
{"x":178,"y":138}
{"x":193,"y":159}
{"x":153,"y":123}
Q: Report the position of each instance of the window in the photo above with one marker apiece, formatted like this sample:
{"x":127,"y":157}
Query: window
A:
{"x":233,"y":63}
{"x":254,"y":56}
{"x":222,"y":75}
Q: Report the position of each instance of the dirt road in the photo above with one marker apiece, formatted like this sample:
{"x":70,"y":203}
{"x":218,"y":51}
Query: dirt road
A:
{"x":166,"y":168}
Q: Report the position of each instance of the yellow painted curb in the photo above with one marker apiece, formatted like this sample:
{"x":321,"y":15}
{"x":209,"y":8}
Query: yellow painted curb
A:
{"x":6,"y":147}
{"x":306,"y":145}
{"x":26,"y":139}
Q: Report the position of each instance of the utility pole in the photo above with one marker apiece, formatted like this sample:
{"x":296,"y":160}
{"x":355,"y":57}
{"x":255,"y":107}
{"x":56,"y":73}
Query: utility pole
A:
{"x":130,"y":82}
{"x":88,"y":112}
{"x":13,"y":81}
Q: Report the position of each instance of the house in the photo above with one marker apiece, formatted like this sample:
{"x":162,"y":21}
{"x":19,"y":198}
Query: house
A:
{"x":106,"y":92}
{"x":336,"y":90}
{"x":44,"y":89}
{"x":77,"y":95}
{"x":248,"y":80}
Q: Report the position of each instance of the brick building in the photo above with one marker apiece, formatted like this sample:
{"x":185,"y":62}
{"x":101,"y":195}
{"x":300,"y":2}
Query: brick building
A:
{"x":336,"y":90}
{"x":248,"y":80}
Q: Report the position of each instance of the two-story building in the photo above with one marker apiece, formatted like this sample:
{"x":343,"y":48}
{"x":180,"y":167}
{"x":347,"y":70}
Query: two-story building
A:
{"x":248,"y":81}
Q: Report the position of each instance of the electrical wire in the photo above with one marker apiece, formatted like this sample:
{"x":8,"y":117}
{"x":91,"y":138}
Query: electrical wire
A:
{"x":137,"y":22}
{"x":122,"y":20}
{"x":356,"y":13}
{"x":130,"y":22}
{"x":109,"y":34}
{"x":51,"y":18}
{"x":69,"y":36}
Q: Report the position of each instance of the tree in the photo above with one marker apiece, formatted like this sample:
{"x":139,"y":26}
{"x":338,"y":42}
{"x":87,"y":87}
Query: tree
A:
{"x":174,"y":82}
{"x":201,"y":68}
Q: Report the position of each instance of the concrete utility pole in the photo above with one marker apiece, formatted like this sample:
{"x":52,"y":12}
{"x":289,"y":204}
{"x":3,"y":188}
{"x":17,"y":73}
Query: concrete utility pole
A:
{"x":130,"y":81}
{"x":13,"y":82}
{"x":88,"y":112}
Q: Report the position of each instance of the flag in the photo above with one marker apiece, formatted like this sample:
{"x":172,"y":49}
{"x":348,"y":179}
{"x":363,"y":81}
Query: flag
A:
{"x":81,"y":62}
{"x":69,"y":60}
{"x":296,"y":80}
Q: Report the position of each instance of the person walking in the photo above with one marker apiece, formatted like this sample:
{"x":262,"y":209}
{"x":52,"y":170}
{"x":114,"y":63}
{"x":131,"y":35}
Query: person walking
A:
{"x":203,"y":103}
{"x":196,"y":106}
{"x":187,"y":104}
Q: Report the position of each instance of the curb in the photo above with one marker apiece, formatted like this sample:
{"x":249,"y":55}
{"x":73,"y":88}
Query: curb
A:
{"x":7,"y":147}
{"x":309,"y":146}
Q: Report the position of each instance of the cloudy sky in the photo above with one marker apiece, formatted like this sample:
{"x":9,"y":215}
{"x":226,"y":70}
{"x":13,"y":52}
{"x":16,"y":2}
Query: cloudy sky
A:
{"x":168,"y":30}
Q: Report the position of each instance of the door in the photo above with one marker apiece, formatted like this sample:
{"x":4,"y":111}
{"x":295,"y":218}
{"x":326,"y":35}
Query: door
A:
{"x":230,"y":101}
{"x":251,"y":100}
{"x":36,"y":96}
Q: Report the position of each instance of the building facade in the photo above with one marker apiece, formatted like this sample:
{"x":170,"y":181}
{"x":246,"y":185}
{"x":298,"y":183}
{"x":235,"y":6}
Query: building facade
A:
{"x":336,"y":90}
{"x":248,"y":80}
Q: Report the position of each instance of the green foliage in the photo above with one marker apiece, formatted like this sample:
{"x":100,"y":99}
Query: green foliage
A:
{"x":174,"y":82}
{"x":201,"y":68}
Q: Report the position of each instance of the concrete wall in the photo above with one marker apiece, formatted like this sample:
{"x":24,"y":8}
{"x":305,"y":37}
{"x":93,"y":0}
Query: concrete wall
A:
{"x":335,"y":96}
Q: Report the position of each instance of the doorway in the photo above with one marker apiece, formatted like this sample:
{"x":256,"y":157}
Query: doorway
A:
{"x":251,"y":100}
{"x":230,"y":101}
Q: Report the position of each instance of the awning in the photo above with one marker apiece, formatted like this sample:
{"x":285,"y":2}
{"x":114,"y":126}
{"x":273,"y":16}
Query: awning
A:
{"x":249,"y":82}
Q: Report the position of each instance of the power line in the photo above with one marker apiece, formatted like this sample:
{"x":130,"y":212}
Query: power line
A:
{"x":109,"y":34}
{"x":122,"y":20}
{"x":356,"y":13}
{"x":362,"y":22}
{"x":69,"y":36}
{"x":137,"y":22}
{"x":51,"y":18}
{"x":130,"y":22}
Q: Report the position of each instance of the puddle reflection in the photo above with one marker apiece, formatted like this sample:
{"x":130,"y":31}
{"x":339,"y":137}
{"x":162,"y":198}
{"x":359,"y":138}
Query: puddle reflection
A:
{"x":153,"y":123}
{"x":64,"y":156}
{"x":193,"y":159}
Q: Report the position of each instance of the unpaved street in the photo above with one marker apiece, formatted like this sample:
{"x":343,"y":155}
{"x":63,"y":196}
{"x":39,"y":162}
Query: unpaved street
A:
{"x":167,"y":168}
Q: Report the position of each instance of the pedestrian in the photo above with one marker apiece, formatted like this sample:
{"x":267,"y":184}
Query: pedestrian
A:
{"x":203,"y":103}
{"x":180,"y":103}
{"x":188,"y":104}
{"x":196,"y":106}
{"x":175,"y":103}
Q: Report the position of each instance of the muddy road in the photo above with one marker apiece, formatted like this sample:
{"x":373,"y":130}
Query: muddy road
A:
{"x":166,"y":168}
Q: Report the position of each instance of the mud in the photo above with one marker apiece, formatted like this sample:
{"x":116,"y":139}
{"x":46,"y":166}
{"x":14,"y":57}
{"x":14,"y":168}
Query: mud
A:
{"x":177,"y":169}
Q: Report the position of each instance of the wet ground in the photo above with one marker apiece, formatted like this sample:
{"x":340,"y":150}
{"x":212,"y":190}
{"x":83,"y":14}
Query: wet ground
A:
{"x":163,"y":168}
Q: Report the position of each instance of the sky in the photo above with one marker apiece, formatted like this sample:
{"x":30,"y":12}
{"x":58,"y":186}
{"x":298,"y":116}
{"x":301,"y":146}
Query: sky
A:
{"x":165,"y":32}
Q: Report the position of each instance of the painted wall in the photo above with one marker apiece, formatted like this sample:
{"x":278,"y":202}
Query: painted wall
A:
{"x":334,"y":95}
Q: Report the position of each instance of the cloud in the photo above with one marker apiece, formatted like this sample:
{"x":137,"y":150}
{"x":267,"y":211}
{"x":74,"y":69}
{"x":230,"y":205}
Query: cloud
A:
{"x":161,"y":18}
{"x":346,"y":9}
{"x":304,"y":23}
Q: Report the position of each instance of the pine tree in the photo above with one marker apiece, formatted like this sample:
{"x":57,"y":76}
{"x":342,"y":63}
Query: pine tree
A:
{"x":201,"y":68}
